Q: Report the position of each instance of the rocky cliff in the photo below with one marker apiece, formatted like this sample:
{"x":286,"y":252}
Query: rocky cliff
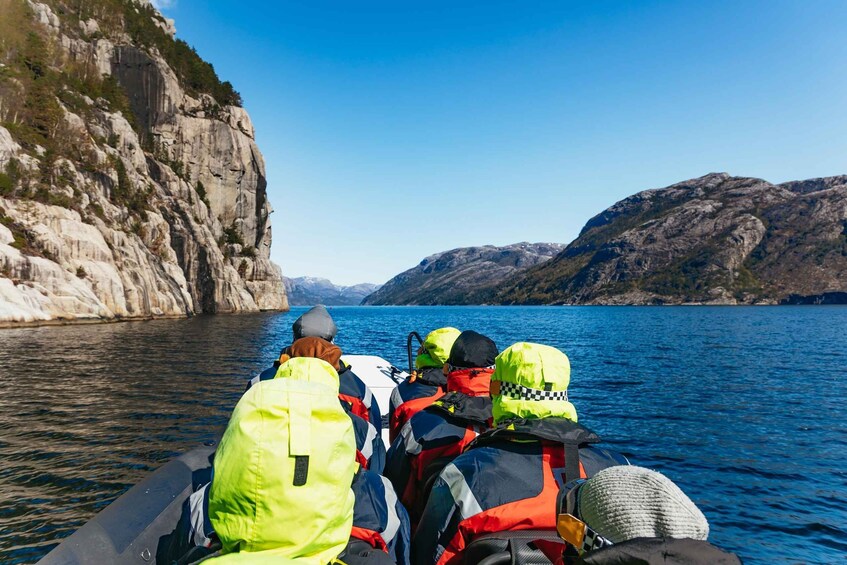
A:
{"x":131,"y":185}
{"x":717,"y":239}
{"x":461,"y":276}
{"x":308,"y":291}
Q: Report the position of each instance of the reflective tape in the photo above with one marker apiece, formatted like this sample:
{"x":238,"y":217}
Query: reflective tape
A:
{"x":393,"y":519}
{"x":462,"y":494}
{"x":368,"y":448}
{"x":396,"y":400}
{"x":411,"y":444}
{"x":198,"y":511}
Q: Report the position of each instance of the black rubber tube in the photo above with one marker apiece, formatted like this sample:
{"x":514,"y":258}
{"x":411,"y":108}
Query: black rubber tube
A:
{"x":497,"y":559}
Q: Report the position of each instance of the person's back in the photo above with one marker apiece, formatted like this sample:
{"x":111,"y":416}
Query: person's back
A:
{"x":509,"y":477}
{"x":426,"y":384}
{"x":440,"y":432}
{"x":373,"y":508}
{"x":287,"y":457}
{"x":379,"y":519}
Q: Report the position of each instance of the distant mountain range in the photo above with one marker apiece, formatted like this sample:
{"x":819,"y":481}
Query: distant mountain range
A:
{"x":308,"y":291}
{"x":462,"y":276}
{"x":716,"y":239}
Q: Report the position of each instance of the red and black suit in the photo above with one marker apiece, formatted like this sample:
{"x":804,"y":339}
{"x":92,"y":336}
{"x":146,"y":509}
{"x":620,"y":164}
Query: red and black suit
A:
{"x":413,"y":395}
{"x":437,"y":435}
{"x":507,"y":479}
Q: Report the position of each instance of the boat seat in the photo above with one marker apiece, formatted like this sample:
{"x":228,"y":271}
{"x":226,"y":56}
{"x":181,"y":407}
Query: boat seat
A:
{"x":509,"y":548}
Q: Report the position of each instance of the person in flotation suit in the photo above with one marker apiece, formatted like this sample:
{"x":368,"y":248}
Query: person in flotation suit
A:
{"x":440,"y":432}
{"x":318,"y":323}
{"x":379,"y":521}
{"x":426,"y":384}
{"x":283,"y":470}
{"x":370,"y":449}
{"x":632,"y":515}
{"x":508,"y":477}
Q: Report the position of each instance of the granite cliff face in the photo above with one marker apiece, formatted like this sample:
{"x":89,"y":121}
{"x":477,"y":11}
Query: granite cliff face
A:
{"x":717,"y":239}
{"x":308,"y":291}
{"x":461,"y":276}
{"x":131,"y":185}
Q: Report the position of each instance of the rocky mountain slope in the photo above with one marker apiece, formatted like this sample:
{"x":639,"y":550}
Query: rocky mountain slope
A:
{"x":717,"y":239}
{"x":131,"y":185}
{"x":461,"y":276}
{"x":308,"y":291}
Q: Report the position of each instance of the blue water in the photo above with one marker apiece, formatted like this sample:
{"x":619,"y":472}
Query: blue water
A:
{"x":743,"y":407}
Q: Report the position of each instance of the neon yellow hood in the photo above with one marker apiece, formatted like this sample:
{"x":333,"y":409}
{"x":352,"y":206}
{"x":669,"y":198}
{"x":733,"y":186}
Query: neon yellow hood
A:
{"x":261,"y":500}
{"x":538,"y":371}
{"x":437,"y":347}
{"x":309,"y":369}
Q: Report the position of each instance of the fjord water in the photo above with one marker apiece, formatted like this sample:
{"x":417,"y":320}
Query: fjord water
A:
{"x":743,"y":407}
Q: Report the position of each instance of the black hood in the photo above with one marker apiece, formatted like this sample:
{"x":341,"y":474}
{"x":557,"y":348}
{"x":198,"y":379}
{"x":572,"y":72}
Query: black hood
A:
{"x":559,"y":430}
{"x":463,"y":409}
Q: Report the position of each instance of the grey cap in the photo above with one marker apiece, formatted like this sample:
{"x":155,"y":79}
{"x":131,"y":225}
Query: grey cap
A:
{"x":315,"y":323}
{"x":625,"y":502}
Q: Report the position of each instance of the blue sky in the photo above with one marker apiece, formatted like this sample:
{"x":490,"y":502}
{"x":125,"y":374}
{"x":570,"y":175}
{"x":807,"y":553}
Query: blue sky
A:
{"x":394,"y":130}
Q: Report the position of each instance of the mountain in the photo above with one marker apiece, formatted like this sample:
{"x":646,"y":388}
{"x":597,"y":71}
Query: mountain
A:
{"x":461,"y":276}
{"x":716,"y":239}
{"x":308,"y":291}
{"x":131,"y":185}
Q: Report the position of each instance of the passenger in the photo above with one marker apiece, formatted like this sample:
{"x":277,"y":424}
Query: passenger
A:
{"x":426,"y":384}
{"x":440,"y":432}
{"x":370,"y":449}
{"x":376,"y":511}
{"x":379,"y":519}
{"x":318,"y":323}
{"x":283,"y":470}
{"x":509,"y":477}
{"x":633,"y":515}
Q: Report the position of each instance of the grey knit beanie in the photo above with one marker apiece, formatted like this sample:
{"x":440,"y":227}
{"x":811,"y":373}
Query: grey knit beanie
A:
{"x":625,"y":502}
{"x":315,"y":323}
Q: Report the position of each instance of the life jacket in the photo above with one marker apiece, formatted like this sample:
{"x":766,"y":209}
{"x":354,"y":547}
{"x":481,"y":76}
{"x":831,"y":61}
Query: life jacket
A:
{"x":413,"y":395}
{"x":429,"y":441}
{"x":378,"y":517}
{"x":508,"y":478}
{"x":287,"y":457}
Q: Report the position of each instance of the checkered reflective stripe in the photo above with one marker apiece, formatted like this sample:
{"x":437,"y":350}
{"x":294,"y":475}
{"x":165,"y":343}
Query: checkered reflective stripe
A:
{"x":593,"y":540}
{"x":517,"y":391}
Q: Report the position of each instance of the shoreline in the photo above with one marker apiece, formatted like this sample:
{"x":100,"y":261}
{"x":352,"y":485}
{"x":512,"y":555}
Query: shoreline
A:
{"x":57,"y":322}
